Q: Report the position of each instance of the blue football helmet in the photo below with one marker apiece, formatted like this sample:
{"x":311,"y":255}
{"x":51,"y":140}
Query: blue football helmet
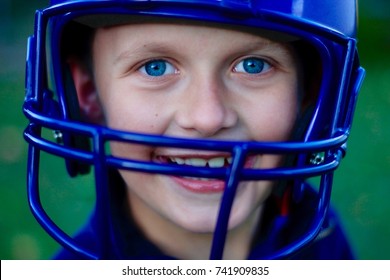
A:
{"x":328,"y":27}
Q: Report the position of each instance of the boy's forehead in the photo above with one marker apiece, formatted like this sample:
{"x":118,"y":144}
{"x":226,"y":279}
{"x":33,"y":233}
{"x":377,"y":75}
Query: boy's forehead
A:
{"x":129,"y":41}
{"x":107,"y":20}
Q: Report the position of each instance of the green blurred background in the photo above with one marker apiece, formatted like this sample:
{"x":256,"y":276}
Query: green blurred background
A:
{"x":362,"y":184}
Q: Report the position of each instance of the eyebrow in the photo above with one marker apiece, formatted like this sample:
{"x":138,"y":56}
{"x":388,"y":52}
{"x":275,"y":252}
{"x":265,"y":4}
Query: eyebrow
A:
{"x":163,"y":48}
{"x":146,"y":48}
{"x":266,"y":45}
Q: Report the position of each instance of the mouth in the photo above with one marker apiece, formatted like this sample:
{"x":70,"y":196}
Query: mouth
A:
{"x":198,"y":184}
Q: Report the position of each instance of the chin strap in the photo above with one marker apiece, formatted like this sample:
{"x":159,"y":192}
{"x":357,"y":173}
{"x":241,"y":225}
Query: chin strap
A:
{"x":280,"y":221}
{"x":284,"y":203}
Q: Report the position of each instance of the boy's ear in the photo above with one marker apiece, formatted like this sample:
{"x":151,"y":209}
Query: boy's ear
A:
{"x":90,"y":107}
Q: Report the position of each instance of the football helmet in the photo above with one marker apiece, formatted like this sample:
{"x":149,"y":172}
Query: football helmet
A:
{"x":328,"y":27}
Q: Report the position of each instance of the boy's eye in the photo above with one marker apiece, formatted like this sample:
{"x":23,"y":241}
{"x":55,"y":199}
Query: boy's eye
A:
{"x":252,"y":65}
{"x":158,"y":67}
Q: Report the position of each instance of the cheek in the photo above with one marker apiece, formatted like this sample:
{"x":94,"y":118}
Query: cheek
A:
{"x":272,"y":119}
{"x":126,"y":110}
{"x":129,"y":114}
{"x":282,"y":120}
{"x":131,"y":151}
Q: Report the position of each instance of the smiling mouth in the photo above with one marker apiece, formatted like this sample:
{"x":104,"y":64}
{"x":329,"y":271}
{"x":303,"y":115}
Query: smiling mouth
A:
{"x":199,"y":184}
{"x":215,"y":162}
{"x":205,"y":161}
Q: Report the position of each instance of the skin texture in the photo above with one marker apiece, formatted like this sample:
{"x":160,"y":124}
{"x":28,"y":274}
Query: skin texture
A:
{"x":202,"y":90}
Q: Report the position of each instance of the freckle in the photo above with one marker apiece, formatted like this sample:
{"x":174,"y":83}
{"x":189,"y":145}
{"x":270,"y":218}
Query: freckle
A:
{"x":156,"y":115}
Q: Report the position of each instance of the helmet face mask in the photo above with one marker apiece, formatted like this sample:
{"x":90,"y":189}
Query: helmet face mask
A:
{"x":315,"y":151}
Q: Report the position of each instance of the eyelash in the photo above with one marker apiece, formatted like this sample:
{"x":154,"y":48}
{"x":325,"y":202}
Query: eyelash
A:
{"x":251,"y":66}
{"x":159,"y":65}
{"x":248,"y":65}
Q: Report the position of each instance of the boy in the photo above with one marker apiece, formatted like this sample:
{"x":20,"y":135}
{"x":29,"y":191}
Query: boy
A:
{"x":204,"y":119}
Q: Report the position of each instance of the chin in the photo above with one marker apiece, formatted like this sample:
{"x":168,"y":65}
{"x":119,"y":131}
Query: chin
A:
{"x":204,"y":221}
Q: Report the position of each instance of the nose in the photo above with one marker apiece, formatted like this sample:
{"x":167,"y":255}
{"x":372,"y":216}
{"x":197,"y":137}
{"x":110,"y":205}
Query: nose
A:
{"x":206,"y":108}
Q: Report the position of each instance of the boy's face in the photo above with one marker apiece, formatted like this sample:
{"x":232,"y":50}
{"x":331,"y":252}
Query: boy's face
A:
{"x":194,"y":82}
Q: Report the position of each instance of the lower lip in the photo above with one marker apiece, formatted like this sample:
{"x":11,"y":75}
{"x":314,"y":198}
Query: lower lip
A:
{"x":200,"y":186}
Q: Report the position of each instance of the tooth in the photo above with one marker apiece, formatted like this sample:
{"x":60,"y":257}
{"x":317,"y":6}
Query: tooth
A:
{"x":196,"y":162}
{"x":217,"y":162}
{"x":229,"y":160}
{"x":179,"y":160}
{"x":196,"y":178}
{"x":191,"y":178}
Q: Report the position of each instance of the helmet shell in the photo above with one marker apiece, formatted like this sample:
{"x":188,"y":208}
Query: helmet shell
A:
{"x":339,"y":16}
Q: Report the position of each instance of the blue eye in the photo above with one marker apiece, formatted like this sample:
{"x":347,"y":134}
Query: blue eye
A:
{"x":252,"y":65}
{"x":156,"y":68}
